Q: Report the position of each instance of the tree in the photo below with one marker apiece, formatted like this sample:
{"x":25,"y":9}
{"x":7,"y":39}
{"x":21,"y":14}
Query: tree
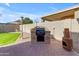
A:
{"x":25,"y":20}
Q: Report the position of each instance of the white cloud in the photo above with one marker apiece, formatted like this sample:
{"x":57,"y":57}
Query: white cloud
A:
{"x":7,"y":4}
{"x":8,"y":15}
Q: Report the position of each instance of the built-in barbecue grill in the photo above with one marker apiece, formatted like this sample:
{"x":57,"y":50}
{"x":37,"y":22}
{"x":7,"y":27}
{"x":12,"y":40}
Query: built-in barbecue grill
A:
{"x":40,"y":32}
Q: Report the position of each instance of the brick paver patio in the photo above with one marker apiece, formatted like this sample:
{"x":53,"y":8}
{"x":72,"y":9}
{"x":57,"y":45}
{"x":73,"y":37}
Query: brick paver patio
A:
{"x":25,"y":48}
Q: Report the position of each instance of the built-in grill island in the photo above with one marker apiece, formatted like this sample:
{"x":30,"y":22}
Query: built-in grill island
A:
{"x":40,"y":35}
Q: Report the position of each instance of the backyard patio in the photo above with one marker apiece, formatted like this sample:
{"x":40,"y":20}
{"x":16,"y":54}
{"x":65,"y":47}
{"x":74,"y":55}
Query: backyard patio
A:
{"x":46,"y":37}
{"x":23,"y":47}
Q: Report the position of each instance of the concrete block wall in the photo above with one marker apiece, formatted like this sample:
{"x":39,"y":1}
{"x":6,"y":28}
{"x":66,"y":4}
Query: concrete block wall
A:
{"x":9,"y":28}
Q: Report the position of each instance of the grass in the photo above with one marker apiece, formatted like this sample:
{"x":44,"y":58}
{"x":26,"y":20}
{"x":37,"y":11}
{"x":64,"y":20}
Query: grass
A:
{"x":7,"y":38}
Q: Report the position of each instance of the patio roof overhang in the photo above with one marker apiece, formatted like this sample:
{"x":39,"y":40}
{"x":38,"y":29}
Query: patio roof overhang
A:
{"x":63,"y":14}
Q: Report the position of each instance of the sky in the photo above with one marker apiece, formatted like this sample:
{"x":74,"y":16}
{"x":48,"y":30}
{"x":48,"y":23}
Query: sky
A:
{"x":13,"y":11}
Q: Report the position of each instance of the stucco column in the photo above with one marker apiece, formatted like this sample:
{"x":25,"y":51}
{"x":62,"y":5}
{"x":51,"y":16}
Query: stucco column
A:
{"x":75,"y":35}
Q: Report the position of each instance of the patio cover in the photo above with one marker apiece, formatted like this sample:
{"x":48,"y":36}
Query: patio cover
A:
{"x":62,"y":14}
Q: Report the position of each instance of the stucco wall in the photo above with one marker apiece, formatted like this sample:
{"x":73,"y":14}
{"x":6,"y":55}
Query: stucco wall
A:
{"x":59,"y":26}
{"x":77,"y":14}
{"x":75,"y":35}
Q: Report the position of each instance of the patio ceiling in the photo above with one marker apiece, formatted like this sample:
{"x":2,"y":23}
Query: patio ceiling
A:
{"x":61,"y":15}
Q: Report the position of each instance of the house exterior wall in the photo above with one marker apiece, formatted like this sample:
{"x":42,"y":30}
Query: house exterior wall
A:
{"x":75,"y":35}
{"x":77,"y":14}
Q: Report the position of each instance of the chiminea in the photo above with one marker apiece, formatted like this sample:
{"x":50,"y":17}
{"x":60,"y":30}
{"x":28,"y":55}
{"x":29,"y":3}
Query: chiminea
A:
{"x":66,"y":40}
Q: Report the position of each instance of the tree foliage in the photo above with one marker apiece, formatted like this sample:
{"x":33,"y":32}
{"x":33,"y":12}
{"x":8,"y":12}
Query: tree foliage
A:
{"x":25,"y":20}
